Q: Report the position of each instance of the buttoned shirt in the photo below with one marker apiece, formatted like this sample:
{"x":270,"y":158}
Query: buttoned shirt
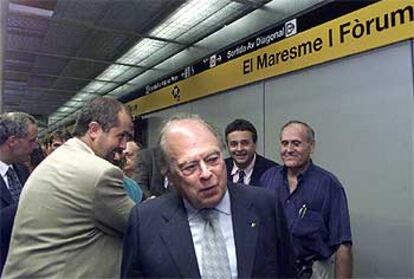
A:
{"x":3,"y":171}
{"x":226,"y":224}
{"x":248,"y":171}
{"x":316,"y":211}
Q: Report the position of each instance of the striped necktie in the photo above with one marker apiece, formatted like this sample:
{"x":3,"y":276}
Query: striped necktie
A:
{"x":215,"y":259}
{"x":15,"y":187}
{"x":242,"y":175}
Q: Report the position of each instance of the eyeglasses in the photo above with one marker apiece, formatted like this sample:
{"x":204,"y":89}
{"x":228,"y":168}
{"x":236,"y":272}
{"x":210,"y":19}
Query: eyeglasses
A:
{"x":189,"y":168}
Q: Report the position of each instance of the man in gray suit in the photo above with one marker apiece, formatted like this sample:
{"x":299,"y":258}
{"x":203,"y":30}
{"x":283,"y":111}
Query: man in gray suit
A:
{"x":73,"y":209}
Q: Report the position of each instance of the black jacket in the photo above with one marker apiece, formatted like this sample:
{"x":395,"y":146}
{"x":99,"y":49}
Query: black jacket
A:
{"x":260,"y":166}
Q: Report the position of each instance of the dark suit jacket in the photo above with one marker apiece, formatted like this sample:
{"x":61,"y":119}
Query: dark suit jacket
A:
{"x":8,"y":209}
{"x":148,"y":174}
{"x":260,"y":166}
{"x":159,"y":241}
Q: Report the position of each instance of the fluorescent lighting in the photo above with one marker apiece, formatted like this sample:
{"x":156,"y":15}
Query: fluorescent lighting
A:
{"x":74,"y":104}
{"x":189,"y":15}
{"x":22,"y":9}
{"x":94,"y":86}
{"x":63,"y":110}
{"x":141,"y":50}
{"x":113,"y":71}
{"x":193,"y":19}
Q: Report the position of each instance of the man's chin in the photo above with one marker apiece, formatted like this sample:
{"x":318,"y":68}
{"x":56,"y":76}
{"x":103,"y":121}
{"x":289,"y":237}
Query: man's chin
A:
{"x":210,"y":202}
{"x":290,"y":165}
{"x":242,"y":163}
{"x":210,"y":198}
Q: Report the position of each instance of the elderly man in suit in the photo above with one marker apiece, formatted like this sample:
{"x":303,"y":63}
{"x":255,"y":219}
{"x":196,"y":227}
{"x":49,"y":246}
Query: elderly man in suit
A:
{"x":18,"y":135}
{"x":205,"y":226}
{"x":73,"y":210}
{"x":245,"y":165}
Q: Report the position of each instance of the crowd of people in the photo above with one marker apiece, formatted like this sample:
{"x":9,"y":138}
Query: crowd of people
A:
{"x":97,"y":204}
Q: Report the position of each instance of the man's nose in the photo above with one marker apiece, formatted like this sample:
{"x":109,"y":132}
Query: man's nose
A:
{"x":205,"y":170}
{"x":289,"y":147}
{"x":122,"y":144}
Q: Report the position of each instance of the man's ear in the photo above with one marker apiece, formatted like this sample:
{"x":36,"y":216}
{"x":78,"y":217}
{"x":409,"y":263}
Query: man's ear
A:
{"x":312,"y":147}
{"x":94,"y":128}
{"x":11,"y":141}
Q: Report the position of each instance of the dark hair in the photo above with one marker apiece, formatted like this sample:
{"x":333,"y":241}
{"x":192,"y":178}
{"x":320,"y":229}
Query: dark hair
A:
{"x":241,"y":125}
{"x":59,"y":134}
{"x":15,"y":124}
{"x":37,"y":156}
{"x":310,"y":133}
{"x":102,"y":110}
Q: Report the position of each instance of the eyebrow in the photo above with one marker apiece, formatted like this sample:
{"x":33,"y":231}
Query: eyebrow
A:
{"x":194,"y":161}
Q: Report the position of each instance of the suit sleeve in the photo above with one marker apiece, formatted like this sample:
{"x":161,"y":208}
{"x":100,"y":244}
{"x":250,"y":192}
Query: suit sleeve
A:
{"x":7,"y":215}
{"x":130,"y":260}
{"x":286,"y":256}
{"x":143,"y":173}
{"x":111,"y":206}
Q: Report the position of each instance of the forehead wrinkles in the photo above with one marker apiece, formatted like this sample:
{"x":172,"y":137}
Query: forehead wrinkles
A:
{"x":294,"y":131}
{"x":190,"y":129}
{"x":189,"y":139}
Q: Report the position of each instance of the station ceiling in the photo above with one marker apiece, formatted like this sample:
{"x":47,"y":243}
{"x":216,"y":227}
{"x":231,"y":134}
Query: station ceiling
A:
{"x":58,"y":54}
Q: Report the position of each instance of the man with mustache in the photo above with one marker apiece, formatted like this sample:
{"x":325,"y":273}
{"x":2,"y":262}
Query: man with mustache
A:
{"x":315,"y":205}
{"x":245,"y":165}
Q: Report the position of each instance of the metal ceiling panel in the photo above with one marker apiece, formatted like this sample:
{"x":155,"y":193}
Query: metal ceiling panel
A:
{"x":57,"y":49}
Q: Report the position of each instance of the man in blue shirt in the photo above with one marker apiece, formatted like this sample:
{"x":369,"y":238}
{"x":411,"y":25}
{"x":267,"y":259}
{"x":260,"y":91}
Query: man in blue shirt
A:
{"x":315,"y":206}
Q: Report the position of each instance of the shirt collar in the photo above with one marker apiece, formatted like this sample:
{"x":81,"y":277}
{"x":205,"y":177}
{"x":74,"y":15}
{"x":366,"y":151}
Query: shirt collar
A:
{"x":223,"y":206}
{"x":283,"y":170}
{"x":78,"y":140}
{"x":4,"y":168}
{"x":248,"y":170}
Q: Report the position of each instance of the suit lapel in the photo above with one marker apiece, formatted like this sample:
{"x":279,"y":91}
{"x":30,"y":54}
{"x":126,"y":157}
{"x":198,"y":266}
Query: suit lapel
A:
{"x":257,"y":171}
{"x":5,"y":194}
{"x":245,"y":229}
{"x":22,"y":173}
{"x":177,"y":237}
{"x":229,"y":167}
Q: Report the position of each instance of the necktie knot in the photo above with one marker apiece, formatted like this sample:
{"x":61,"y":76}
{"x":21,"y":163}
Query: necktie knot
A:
{"x":15,"y":186}
{"x":242,"y":174}
{"x":209,"y":214}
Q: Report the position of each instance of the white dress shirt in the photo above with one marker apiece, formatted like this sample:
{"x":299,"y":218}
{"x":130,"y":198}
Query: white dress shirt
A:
{"x":226,"y":224}
{"x":248,"y":171}
{"x":3,"y":171}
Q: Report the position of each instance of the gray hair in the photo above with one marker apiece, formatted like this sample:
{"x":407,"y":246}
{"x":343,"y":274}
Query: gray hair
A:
{"x":164,"y":158}
{"x":310,"y":133}
{"x":16,"y":124}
